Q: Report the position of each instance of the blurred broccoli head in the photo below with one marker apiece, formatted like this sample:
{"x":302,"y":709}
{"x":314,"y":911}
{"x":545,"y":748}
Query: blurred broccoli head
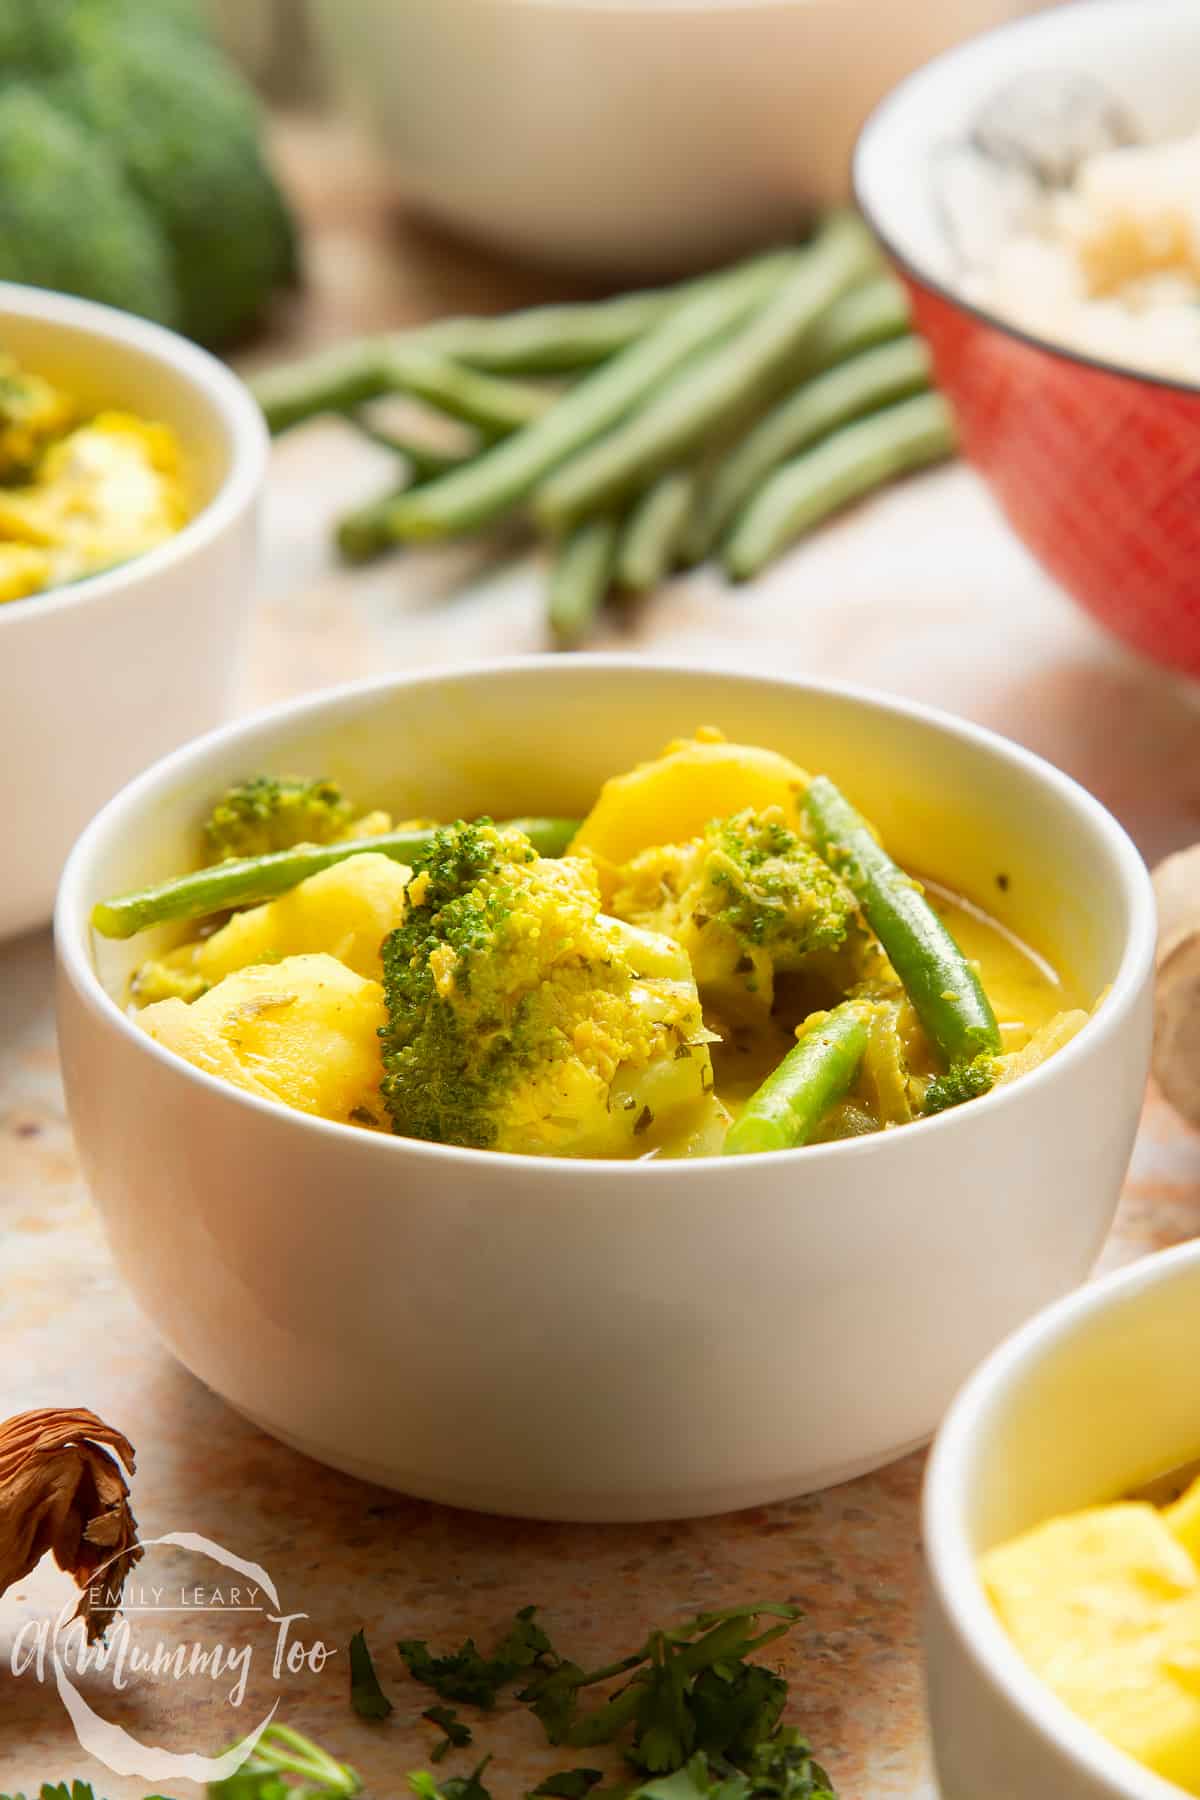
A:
{"x":185,"y":129}
{"x":147,"y":188}
{"x":965,"y":1081}
{"x":69,"y":218}
{"x":521,"y":1018}
{"x":747,"y":900}
{"x":272,"y":812}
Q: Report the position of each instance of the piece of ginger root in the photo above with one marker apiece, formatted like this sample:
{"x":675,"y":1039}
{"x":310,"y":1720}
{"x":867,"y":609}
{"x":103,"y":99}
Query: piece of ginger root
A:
{"x":1176,"y":1056}
{"x":62,"y":1490}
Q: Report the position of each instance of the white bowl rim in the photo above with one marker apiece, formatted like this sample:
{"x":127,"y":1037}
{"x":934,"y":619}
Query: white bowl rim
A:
{"x":949,"y":1559}
{"x":874,"y":144}
{"x":72,"y":929}
{"x":248,"y":439}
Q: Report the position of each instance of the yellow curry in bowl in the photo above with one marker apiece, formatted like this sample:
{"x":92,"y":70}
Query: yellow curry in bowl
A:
{"x":78,"y":493}
{"x":721,"y":958}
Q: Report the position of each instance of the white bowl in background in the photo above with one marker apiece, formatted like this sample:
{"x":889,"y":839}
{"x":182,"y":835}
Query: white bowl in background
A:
{"x":1091,"y":1399}
{"x":608,"y":1340}
{"x":628,"y":137}
{"x":99,"y":678}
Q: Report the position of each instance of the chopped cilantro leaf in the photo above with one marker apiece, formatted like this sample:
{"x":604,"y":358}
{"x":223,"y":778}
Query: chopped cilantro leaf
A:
{"x":366,"y":1696}
{"x":457,"y":1735}
{"x":570,"y":1784}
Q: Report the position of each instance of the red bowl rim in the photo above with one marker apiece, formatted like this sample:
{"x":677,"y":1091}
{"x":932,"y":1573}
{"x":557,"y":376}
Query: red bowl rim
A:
{"x":873,"y":125}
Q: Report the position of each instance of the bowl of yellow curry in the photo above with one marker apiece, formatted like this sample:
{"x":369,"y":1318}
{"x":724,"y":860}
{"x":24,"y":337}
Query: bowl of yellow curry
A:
{"x":601,"y":1090}
{"x":130,"y":468}
{"x":1062,"y":1531}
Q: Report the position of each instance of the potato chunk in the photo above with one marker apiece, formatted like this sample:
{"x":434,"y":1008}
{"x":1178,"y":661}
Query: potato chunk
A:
{"x":304,"y":1031}
{"x":672,"y":799}
{"x":1104,"y":1605}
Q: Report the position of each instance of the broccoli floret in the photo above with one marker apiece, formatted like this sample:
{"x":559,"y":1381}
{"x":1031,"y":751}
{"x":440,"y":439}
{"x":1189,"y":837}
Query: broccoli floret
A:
{"x":147,"y":106}
{"x":69,"y":218}
{"x":747,"y":900}
{"x":185,"y":129}
{"x":521,"y":1018}
{"x":32,"y":415}
{"x":965,"y":1081}
{"x":271,"y":812}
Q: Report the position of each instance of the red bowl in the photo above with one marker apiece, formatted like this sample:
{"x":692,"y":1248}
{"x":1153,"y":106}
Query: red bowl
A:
{"x":1096,"y":468}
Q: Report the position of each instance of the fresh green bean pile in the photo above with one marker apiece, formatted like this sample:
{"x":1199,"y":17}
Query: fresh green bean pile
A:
{"x":726,"y":416}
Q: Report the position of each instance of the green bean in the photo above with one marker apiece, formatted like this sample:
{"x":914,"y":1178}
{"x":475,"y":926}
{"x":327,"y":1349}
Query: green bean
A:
{"x":741,"y":370}
{"x":492,"y":402}
{"x":553,"y":340}
{"x":851,"y":389}
{"x":579,"y":579}
{"x":425,"y":462}
{"x":651,"y":534}
{"x":365,"y":533}
{"x":244,"y":881}
{"x":792,"y":1101}
{"x":866,"y":316}
{"x":844,"y":467}
{"x":501,"y":477}
{"x":335,"y":380}
{"x":945,"y":990}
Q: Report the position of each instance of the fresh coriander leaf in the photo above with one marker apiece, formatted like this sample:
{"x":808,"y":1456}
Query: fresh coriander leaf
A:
{"x":664,"y":1732}
{"x":366,"y":1696}
{"x":695,"y":1781}
{"x":525,"y":1644}
{"x":466,"y":1786}
{"x":553,"y":1697}
{"x":735,"y":1710}
{"x":447,"y":1720}
{"x":783,"y":1769}
{"x":465,"y":1675}
{"x":570,"y":1784}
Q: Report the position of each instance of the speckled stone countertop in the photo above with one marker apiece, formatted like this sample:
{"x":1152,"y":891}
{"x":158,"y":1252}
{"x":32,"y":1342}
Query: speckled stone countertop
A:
{"x":922,"y":592}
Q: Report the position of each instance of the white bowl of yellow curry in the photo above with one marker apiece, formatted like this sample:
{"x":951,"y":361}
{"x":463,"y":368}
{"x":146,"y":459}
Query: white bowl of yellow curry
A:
{"x":601,"y":1090}
{"x":1062,"y":1528}
{"x":130,"y":467}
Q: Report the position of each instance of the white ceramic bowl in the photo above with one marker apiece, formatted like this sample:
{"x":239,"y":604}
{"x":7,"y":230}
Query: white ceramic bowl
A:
{"x":99,"y":678}
{"x":1094,"y":1397}
{"x":609,"y":1340}
{"x":628,"y":136}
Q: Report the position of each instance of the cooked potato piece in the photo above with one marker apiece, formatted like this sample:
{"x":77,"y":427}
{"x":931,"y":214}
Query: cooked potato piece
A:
{"x":346,"y":911}
{"x":304,"y":1031}
{"x":673,"y":798}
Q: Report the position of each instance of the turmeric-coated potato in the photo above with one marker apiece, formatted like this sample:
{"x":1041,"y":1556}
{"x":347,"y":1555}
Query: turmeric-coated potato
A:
{"x":673,"y":798}
{"x":304,"y":1031}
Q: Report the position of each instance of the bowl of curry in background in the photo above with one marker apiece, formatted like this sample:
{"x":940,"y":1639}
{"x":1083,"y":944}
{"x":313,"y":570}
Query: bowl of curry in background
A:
{"x":613,"y":1339}
{"x":103,"y":672}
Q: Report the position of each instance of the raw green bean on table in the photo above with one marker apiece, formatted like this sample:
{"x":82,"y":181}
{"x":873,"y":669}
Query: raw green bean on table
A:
{"x":554,"y":340}
{"x":860,"y":385}
{"x":653,"y":531}
{"x":244,"y":881}
{"x":494,"y":403}
{"x":788,"y":1107}
{"x":866,"y":316}
{"x":424,"y":461}
{"x":847,"y":465}
{"x":945,"y":990}
{"x":366,"y":533}
{"x":580,"y":574}
{"x":746,"y":367}
{"x":331,"y":381}
{"x":504,"y":475}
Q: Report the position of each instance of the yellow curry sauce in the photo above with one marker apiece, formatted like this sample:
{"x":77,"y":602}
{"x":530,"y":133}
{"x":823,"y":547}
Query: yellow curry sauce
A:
{"x":78,"y":493}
